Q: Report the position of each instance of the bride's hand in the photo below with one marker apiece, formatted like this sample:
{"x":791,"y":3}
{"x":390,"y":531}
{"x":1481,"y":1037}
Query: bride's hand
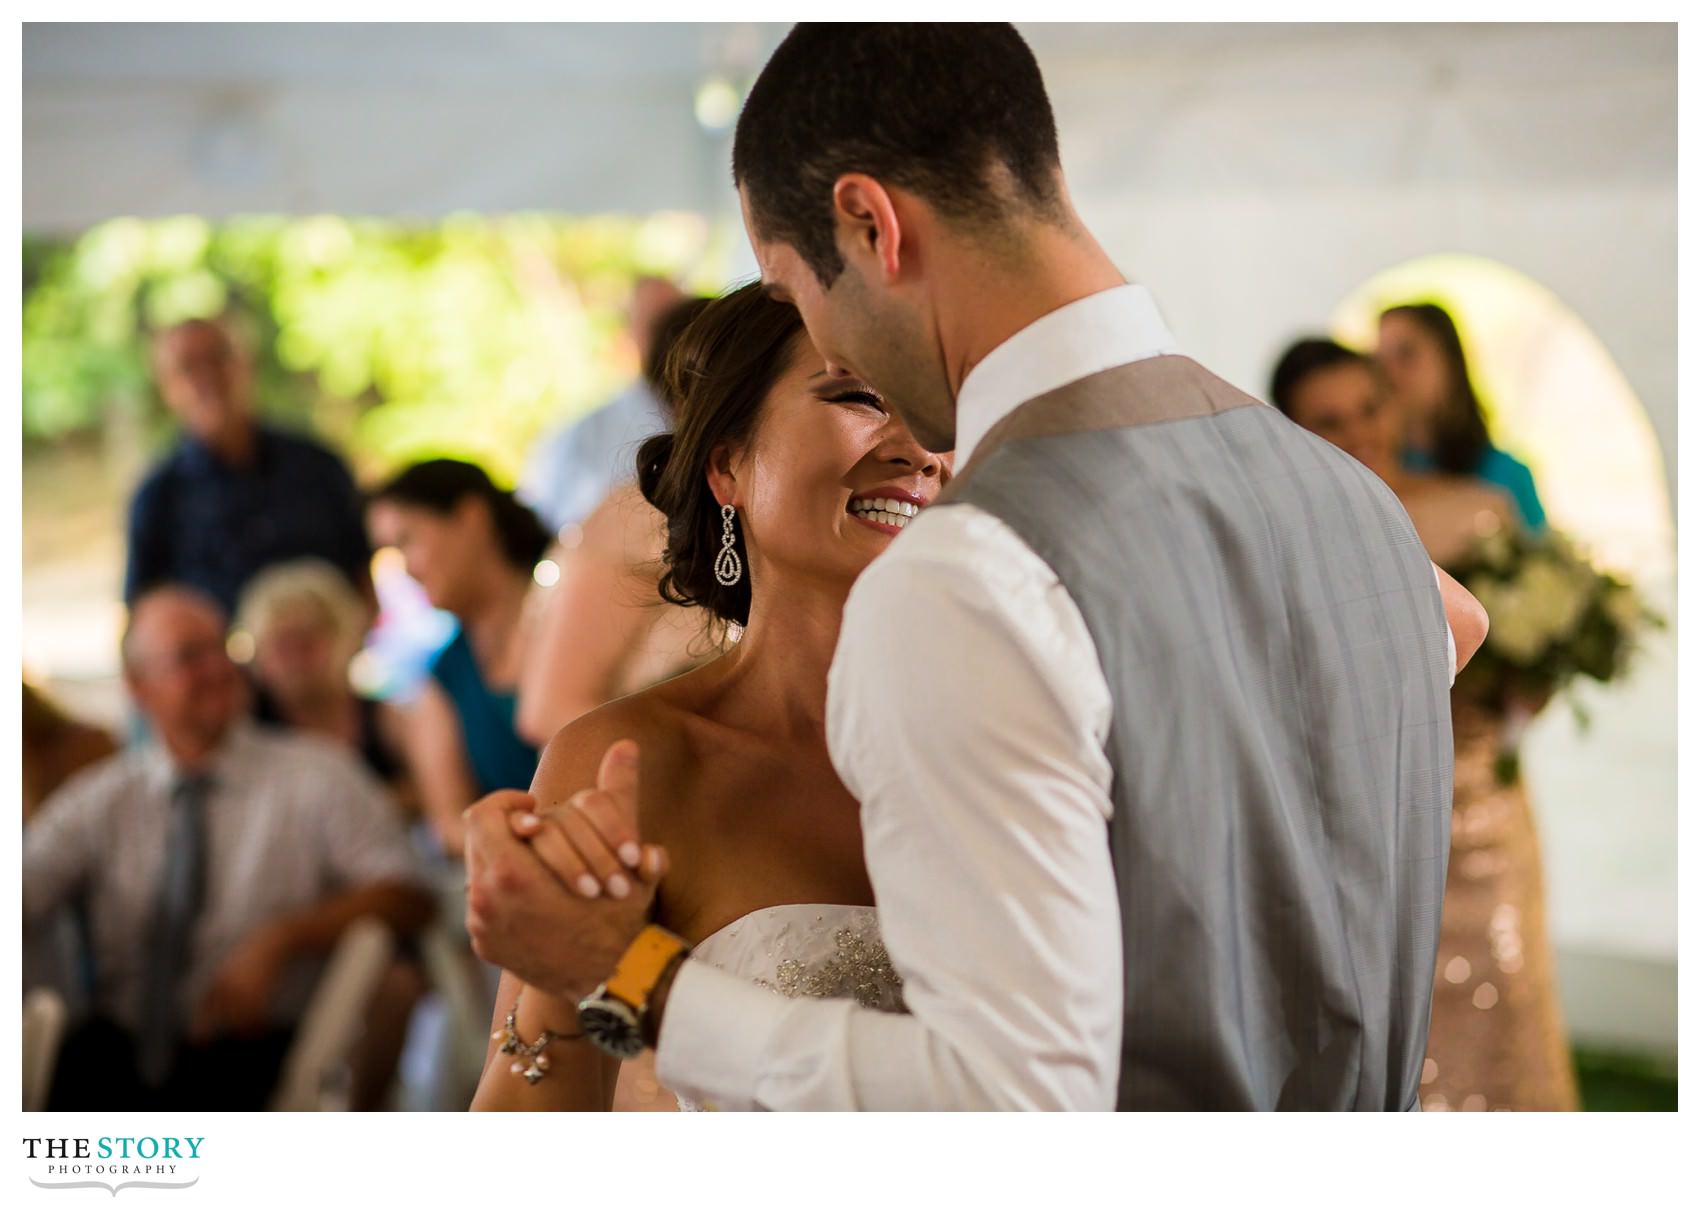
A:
{"x":590,"y":842}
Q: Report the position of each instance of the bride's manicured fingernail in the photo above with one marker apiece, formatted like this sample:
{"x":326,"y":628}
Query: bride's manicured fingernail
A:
{"x":618,"y":886}
{"x":529,"y":821}
{"x":588,"y":886}
{"x":630,"y":854}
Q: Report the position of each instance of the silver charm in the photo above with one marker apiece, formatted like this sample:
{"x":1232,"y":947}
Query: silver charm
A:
{"x":535,"y":1067}
{"x":728,"y":568}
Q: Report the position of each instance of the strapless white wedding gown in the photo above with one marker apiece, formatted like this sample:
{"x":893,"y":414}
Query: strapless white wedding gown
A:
{"x":817,"y":951}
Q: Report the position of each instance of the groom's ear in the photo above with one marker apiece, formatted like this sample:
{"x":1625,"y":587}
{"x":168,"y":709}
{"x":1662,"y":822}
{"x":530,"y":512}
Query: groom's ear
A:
{"x":868,"y":229}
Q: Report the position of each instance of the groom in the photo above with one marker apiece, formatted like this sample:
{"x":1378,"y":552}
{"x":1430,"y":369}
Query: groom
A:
{"x":1148,"y":716}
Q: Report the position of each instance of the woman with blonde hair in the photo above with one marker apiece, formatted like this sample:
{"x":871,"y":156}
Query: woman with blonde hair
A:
{"x":307,"y":623}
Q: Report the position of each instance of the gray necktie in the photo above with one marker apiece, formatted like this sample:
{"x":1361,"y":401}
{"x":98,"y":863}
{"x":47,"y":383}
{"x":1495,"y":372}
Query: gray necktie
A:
{"x":182,"y":886}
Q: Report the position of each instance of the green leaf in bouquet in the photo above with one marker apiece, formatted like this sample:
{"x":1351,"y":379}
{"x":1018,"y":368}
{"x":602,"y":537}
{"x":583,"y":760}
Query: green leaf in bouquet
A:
{"x":1595,"y":654}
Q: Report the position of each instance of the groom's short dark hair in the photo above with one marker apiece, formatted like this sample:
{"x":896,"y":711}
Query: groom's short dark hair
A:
{"x":956,"y":113}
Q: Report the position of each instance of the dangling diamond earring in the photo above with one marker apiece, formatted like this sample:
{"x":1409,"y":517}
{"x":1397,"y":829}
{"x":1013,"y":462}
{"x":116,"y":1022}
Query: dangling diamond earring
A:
{"x":728,"y":568}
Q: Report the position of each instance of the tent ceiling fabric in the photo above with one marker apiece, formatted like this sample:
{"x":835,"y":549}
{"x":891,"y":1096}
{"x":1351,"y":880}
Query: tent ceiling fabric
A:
{"x":1252,"y":174}
{"x":422,"y":120}
{"x":409,"y":120}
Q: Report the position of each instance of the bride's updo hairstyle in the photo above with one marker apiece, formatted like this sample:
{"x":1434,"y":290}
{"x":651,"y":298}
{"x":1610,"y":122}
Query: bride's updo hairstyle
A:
{"x":716,"y":377}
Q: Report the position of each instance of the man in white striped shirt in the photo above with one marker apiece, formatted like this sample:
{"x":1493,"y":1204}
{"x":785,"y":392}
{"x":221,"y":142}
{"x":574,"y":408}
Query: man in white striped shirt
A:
{"x":216,"y":865}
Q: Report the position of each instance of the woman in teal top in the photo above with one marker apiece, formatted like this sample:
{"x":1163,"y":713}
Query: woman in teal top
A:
{"x":499,"y":758}
{"x":473,"y":550}
{"x":1423,"y":359}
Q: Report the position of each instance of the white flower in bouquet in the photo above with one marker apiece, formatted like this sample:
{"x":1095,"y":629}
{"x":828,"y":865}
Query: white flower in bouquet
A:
{"x":1513,"y":632}
{"x":1496,"y":548}
{"x":1516,"y":632}
{"x":1623,"y":608}
{"x":1554,"y":598}
{"x":1581,"y":571}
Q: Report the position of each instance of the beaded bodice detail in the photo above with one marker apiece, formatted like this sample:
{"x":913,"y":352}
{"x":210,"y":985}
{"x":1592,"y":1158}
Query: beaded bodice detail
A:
{"x":818,"y":951}
{"x":815,"y":951}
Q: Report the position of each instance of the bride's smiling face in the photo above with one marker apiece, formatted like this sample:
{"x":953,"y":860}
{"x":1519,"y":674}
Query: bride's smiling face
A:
{"x":828,"y":477}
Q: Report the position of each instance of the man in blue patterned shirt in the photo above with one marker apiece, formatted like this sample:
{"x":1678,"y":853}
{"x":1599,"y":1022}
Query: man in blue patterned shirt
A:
{"x":234,"y":495}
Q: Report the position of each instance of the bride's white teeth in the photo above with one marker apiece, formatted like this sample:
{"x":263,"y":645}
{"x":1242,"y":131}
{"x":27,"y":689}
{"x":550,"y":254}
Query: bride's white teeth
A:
{"x":885,"y":505}
{"x":885,"y":510}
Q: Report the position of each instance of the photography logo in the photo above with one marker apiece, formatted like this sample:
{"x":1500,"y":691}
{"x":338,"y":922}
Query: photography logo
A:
{"x":113,"y":1163}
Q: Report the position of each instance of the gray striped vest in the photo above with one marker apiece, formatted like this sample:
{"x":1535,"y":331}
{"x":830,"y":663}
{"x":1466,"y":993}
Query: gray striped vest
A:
{"x":1275,"y":648}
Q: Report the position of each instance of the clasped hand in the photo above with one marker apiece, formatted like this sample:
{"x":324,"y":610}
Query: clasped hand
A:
{"x":556,"y":893}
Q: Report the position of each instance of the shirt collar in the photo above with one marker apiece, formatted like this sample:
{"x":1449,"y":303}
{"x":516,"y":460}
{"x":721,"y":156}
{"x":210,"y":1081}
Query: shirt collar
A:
{"x":199,"y":457}
{"x":162,"y":771}
{"x":1105,"y":330}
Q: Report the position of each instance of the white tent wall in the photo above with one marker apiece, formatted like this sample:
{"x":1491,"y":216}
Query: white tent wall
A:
{"x":1253,"y":176}
{"x":372,"y":119}
{"x":1258,"y":175}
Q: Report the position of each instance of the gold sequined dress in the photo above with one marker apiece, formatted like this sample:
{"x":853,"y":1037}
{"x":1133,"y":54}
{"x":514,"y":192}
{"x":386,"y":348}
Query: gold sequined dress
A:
{"x":1496,"y":1039}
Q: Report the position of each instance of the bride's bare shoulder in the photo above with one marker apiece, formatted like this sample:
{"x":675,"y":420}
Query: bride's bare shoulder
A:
{"x":659,"y":719}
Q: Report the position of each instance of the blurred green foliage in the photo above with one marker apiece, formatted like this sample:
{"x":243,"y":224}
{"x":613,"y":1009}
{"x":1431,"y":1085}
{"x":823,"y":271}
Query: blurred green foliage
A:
{"x":393,"y":341}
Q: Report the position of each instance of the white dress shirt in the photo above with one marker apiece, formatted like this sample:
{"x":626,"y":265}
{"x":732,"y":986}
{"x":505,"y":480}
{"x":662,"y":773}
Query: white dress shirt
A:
{"x":967,"y":712}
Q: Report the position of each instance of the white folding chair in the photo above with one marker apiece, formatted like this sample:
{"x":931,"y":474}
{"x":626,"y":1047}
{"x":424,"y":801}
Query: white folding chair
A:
{"x":466,"y":1004}
{"x":334,"y":1020}
{"x":44,"y":1031}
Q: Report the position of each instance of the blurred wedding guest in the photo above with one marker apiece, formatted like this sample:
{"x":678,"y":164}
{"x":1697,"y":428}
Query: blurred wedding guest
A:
{"x":572,"y":469}
{"x":234,"y":495}
{"x":1444,"y":430}
{"x":56,"y":746}
{"x":1496,"y":1037}
{"x":307,"y":624}
{"x":218,"y":863}
{"x":604,"y":630}
{"x":473,"y":549}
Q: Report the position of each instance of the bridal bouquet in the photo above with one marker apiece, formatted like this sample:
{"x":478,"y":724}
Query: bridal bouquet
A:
{"x":1553,"y":617}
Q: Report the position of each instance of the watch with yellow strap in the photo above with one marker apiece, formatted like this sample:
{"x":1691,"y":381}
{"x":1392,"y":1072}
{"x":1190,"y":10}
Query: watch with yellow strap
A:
{"x":612,"y":1015}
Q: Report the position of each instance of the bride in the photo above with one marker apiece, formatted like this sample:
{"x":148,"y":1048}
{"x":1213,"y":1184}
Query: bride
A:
{"x":767,"y":879}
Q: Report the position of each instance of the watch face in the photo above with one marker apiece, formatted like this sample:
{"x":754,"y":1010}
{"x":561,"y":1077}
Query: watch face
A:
{"x":610,"y":1025}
